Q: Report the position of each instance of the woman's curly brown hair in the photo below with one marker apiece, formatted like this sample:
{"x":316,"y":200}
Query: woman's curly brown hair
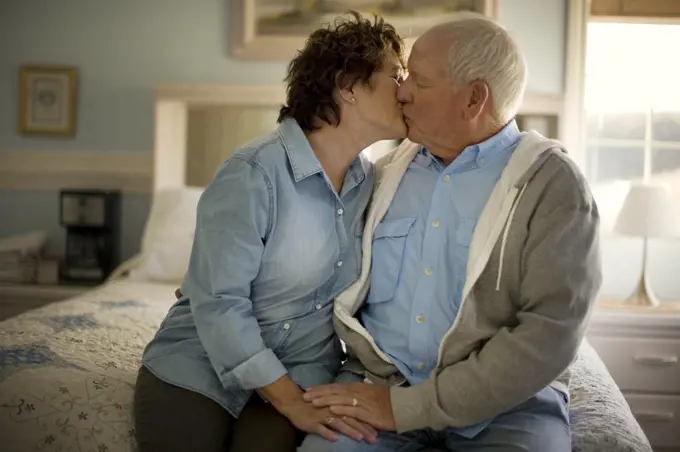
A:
{"x":337,"y":56}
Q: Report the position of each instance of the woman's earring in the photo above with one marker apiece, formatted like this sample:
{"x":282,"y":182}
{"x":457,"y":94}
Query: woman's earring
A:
{"x":352,"y":100}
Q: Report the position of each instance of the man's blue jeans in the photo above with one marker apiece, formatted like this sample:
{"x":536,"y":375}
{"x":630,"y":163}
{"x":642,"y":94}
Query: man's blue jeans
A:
{"x":540,"y":424}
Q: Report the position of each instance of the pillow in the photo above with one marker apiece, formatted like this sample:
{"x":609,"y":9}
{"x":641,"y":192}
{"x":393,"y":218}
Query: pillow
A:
{"x":168,"y":236}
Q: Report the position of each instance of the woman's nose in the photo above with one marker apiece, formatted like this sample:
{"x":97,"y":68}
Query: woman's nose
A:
{"x":402,"y":93}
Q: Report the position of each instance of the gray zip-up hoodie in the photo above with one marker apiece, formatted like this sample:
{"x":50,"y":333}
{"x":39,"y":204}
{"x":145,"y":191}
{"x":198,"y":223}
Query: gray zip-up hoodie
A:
{"x":532,"y":277}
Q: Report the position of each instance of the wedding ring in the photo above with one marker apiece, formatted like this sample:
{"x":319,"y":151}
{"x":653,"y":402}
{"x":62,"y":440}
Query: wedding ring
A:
{"x":354,"y":402}
{"x":330,"y":420}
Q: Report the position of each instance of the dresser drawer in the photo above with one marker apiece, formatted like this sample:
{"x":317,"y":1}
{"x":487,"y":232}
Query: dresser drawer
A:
{"x":659,"y":417}
{"x":639,"y":364}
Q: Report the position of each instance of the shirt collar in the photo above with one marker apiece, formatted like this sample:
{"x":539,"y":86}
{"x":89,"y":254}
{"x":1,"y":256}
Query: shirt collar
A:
{"x":502,"y":140}
{"x":481,"y":153}
{"x":303,"y":161}
{"x":355,"y":175}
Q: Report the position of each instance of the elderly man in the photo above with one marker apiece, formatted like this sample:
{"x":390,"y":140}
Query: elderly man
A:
{"x":480,"y":266}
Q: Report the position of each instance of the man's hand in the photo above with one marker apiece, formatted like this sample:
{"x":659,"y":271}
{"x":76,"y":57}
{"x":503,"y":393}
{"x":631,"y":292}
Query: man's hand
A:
{"x":364,"y":402}
{"x":178,"y":294}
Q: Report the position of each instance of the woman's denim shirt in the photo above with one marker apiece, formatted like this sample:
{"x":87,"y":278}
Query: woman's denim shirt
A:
{"x":274,"y":244}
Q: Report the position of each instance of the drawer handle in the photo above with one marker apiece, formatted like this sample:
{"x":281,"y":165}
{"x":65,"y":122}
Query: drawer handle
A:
{"x":656,"y":360}
{"x":653,"y":416}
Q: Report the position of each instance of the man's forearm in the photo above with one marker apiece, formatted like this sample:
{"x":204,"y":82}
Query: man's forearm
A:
{"x":484,"y":386}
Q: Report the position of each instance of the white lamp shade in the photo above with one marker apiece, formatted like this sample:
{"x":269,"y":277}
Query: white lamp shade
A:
{"x":649,"y":211}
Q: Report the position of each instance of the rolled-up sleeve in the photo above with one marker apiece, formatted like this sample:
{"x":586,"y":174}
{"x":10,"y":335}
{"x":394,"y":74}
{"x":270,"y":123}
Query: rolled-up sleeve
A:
{"x":233,"y":219}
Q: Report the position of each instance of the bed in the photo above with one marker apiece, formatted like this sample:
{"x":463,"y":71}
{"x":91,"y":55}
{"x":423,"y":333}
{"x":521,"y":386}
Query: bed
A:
{"x":67,"y":370}
{"x":67,"y":374}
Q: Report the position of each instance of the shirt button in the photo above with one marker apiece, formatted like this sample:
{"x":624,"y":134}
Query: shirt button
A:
{"x":339,"y":264}
{"x":419,"y":319}
{"x":318,"y":306}
{"x":421,"y":366}
{"x":286,"y":326}
{"x":481,"y":160}
{"x":428,"y":271}
{"x":340,"y":211}
{"x":435,"y":223}
{"x":447,"y":178}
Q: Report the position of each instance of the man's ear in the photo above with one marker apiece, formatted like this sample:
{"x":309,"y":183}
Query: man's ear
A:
{"x":479,"y":95}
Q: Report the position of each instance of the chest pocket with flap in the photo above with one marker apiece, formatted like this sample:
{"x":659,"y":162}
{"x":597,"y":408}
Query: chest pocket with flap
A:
{"x":389,"y":242}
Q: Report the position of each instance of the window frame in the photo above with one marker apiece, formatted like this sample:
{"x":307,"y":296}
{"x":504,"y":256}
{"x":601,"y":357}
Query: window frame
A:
{"x":574,"y":119}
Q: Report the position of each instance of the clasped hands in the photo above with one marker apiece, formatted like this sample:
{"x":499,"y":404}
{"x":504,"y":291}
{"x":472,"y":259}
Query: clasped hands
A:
{"x":357,"y":410}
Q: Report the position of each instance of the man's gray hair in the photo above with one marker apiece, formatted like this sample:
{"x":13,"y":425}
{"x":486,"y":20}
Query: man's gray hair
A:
{"x":482,"y":49}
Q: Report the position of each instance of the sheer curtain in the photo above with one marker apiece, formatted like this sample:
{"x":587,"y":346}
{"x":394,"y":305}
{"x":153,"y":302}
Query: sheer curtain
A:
{"x":632,"y":100}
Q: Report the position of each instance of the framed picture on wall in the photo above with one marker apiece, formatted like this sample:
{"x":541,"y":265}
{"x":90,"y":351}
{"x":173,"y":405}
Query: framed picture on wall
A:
{"x":276,"y":29}
{"x":48,"y":98}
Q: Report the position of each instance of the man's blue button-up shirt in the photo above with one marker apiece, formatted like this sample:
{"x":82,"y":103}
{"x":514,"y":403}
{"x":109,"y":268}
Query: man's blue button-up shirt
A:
{"x":420,"y":251}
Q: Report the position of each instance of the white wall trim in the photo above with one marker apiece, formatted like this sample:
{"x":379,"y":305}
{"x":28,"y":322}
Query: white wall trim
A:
{"x":129,"y":172}
{"x":573,"y":120}
{"x":637,"y":20}
{"x":542,"y":104}
{"x":197,"y":95}
{"x":144,"y":172}
{"x":269,"y":95}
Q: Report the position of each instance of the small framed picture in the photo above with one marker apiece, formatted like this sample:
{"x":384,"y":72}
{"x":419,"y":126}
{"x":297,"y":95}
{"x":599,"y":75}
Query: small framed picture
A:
{"x":48,"y":100}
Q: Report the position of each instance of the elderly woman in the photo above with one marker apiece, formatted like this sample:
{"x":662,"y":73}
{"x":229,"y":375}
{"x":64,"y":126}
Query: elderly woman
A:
{"x":278,"y":236}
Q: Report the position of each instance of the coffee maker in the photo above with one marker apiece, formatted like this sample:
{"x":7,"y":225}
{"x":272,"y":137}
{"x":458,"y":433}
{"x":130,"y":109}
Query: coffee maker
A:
{"x":92,"y":219}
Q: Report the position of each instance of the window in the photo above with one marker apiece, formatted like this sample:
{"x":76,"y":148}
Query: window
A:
{"x":632,"y":100}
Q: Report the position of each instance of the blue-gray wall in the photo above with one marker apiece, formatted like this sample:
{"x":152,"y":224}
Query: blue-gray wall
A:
{"x":124,"y":47}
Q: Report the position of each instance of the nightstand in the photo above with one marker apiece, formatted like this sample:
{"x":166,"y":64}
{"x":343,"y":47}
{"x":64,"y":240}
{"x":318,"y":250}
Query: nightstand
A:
{"x":18,"y":298}
{"x":641,"y":348}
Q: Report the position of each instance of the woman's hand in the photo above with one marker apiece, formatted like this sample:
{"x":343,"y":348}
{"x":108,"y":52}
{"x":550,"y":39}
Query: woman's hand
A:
{"x":367,"y":403}
{"x":322,"y":422}
{"x":287,"y":398}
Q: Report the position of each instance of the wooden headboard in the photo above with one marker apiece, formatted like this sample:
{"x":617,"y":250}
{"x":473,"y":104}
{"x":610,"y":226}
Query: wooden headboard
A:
{"x":192,"y":121}
{"x":197,"y":126}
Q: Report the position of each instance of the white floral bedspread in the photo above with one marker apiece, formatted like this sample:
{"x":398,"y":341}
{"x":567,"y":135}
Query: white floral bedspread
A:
{"x":67,"y":374}
{"x":67,"y":370}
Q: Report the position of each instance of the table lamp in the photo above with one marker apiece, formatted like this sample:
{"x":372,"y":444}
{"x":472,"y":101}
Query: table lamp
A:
{"x":649,"y":211}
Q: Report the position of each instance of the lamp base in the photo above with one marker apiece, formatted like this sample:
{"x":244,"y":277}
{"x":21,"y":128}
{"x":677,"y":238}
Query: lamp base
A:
{"x":643,"y":295}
